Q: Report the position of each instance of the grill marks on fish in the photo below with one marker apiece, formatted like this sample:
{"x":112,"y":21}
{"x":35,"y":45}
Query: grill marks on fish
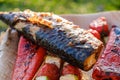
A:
{"x":57,"y":41}
{"x":62,"y":37}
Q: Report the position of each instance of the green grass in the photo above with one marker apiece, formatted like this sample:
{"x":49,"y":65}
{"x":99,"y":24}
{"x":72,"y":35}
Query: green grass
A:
{"x":59,"y":6}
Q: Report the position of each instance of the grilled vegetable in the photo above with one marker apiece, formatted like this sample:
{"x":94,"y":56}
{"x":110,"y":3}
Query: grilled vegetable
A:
{"x":100,"y":25}
{"x":29,"y":58}
{"x":69,"y":77}
{"x":70,"y":70}
{"x":108,"y":66}
{"x":50,"y":68}
{"x":59,"y":36}
{"x":42,"y":78}
{"x":95,"y":33}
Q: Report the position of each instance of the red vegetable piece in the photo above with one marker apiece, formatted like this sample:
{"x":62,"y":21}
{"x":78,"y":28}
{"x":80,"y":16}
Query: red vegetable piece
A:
{"x":95,"y":33}
{"x":108,"y":65}
{"x":100,"y":25}
{"x":69,"y":69}
{"x":29,"y":58}
{"x":49,"y":70}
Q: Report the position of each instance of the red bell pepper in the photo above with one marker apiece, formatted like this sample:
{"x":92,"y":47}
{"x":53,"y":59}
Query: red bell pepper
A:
{"x":108,"y":65}
{"x":95,"y":33}
{"x":100,"y":25}
{"x":69,"y":69}
{"x":50,"y":70}
{"x":29,"y":58}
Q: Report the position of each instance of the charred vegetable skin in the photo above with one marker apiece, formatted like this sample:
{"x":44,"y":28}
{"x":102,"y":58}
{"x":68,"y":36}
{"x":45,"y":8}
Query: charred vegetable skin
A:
{"x":69,"y":69}
{"x":100,"y":25}
{"x":57,"y":35}
{"x":50,"y":68}
{"x":29,"y":58}
{"x":108,"y":66}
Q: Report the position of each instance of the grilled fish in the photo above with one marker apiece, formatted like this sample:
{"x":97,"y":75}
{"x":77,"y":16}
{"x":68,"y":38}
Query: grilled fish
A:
{"x":58,"y":35}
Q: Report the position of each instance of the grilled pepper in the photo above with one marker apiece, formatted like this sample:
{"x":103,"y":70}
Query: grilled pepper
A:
{"x":95,"y":33}
{"x":59,"y":36}
{"x":70,"y":71}
{"x":108,"y":65}
{"x":50,"y":69}
{"x":100,"y":25}
{"x":29,"y":58}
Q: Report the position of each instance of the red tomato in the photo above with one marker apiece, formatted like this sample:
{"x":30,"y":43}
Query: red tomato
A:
{"x":100,"y":25}
{"x":95,"y":33}
{"x":49,"y":70}
{"x":69,"y":69}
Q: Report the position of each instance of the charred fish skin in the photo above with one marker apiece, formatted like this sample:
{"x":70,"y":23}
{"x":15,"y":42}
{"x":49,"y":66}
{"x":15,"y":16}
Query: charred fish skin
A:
{"x":59,"y":36}
{"x":56,"y":43}
{"x":9,"y":17}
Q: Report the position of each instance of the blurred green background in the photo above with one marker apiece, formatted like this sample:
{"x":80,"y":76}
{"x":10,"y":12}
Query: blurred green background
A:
{"x":60,"y":6}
